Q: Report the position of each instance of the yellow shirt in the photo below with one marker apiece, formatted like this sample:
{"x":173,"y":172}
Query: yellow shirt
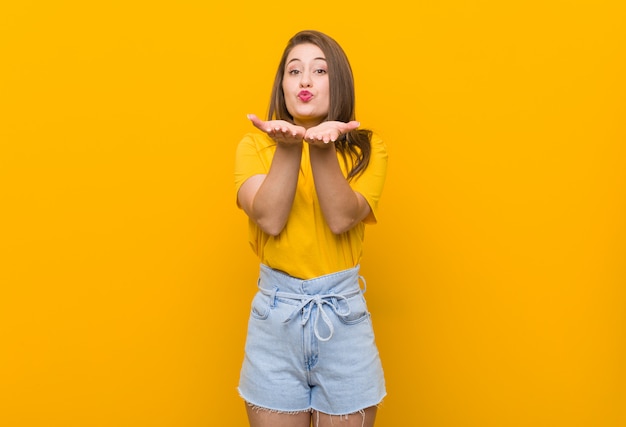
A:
{"x":306,"y":248}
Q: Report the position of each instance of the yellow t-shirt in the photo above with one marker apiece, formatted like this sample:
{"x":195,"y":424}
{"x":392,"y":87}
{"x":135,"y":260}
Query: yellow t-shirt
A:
{"x":306,"y":247}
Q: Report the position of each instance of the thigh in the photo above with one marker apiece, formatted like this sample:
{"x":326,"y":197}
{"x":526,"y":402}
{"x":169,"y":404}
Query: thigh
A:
{"x":259,"y":417}
{"x":364,"y":418}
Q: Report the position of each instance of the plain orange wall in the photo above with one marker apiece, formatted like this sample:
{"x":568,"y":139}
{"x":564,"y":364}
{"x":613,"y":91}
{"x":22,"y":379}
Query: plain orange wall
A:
{"x":496,"y":276}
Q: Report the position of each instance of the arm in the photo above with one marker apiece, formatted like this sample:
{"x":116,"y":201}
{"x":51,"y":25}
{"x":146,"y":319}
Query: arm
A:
{"x":342,"y":207}
{"x":267,"y":199}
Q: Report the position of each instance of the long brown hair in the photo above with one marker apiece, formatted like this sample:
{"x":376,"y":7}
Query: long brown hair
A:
{"x":355,"y":145}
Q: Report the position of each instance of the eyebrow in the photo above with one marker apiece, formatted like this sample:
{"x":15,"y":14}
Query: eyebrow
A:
{"x":298,"y":59}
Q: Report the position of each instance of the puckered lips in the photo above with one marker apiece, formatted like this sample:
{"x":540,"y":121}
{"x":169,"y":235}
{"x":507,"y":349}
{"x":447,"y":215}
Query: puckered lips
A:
{"x":305,"y":96}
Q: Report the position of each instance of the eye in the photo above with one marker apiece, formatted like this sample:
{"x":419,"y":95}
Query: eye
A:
{"x":320,"y":71}
{"x":293,"y":72}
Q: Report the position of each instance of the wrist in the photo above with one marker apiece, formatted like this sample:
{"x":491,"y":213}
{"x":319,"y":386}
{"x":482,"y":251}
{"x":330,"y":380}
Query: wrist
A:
{"x":290,"y":145}
{"x":322,"y":146}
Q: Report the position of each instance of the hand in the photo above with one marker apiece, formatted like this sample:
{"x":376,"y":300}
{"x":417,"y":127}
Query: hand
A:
{"x":279,"y":130}
{"x":327,"y":132}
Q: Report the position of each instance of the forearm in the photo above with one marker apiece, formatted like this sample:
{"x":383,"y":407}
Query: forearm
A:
{"x":273,"y":200}
{"x":341,"y":206}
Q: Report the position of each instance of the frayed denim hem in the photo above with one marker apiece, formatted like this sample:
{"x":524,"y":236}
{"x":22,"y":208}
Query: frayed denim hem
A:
{"x":258,"y":408}
{"x":315,"y":413}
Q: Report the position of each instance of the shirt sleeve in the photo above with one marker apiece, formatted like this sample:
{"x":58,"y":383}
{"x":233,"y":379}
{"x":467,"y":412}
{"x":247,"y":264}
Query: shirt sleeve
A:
{"x":250,"y":159}
{"x":371,"y":182}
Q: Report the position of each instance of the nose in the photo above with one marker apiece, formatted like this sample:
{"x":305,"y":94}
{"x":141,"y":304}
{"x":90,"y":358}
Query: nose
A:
{"x":305,"y":80}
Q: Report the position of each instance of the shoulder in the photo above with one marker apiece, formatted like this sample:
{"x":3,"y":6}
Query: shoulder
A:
{"x":378,"y":145}
{"x":376,"y":138}
{"x":255,"y":141}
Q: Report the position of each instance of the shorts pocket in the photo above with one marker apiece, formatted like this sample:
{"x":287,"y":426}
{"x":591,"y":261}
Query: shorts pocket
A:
{"x":358,"y":310}
{"x":260,"y":306}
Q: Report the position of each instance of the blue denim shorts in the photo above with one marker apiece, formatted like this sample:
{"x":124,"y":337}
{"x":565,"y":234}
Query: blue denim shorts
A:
{"x":310,"y":345}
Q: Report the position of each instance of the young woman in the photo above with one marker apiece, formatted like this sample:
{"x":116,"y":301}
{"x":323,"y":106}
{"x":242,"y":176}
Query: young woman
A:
{"x":309,"y":181}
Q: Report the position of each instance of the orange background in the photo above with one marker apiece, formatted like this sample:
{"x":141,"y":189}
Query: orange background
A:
{"x":496,"y":275}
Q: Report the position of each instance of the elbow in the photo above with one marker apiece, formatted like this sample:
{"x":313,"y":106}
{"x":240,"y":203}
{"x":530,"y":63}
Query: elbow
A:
{"x":339,"y":231}
{"x":273,"y":228}
{"x":269,"y":223}
{"x":340,"y":227}
{"x":272,"y":231}
{"x":342,"y":220}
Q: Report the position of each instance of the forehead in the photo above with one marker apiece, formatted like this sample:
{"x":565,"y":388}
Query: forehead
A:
{"x":305,"y":52}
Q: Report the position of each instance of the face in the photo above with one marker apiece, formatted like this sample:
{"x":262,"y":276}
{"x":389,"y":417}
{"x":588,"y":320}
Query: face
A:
{"x":305,"y":85}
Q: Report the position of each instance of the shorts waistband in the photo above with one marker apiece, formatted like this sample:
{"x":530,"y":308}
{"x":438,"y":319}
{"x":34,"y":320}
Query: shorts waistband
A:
{"x":344,"y":281}
{"x":332,"y":290}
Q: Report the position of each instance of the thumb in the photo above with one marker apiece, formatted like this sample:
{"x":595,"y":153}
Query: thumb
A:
{"x":352,"y":125}
{"x":258,"y":123}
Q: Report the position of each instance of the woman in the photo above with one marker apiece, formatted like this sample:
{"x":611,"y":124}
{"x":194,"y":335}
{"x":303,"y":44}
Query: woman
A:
{"x":309,"y":182}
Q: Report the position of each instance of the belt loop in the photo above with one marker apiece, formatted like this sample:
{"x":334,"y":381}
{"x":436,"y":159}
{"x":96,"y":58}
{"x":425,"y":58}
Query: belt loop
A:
{"x":272,"y":294}
{"x":364,"y":284}
{"x":273,"y":297}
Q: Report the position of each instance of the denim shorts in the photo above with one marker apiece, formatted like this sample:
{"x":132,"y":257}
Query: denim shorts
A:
{"x":310,"y":345}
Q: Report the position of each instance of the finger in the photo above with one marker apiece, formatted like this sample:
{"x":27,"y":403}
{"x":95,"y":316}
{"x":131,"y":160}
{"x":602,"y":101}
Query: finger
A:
{"x":299,"y":132}
{"x":260,"y":124}
{"x":255,"y":120}
{"x":352,"y":125}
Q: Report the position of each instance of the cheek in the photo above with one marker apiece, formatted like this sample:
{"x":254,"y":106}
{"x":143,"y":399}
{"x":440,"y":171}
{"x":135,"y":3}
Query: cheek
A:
{"x":289,"y":105}
{"x":325,"y":92}
{"x":327,"y":98}
{"x":287,"y":97}
{"x":287,"y":91}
